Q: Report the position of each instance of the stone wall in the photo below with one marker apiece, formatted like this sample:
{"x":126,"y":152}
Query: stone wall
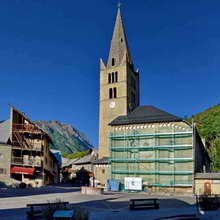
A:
{"x":200,"y":186}
{"x":102,"y":173}
{"x":5,"y":162}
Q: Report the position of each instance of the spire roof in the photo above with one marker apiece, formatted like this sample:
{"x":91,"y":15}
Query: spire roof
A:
{"x":119,"y":45}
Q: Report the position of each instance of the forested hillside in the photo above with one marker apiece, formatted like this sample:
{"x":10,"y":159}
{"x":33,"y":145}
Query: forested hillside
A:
{"x":208,"y":124}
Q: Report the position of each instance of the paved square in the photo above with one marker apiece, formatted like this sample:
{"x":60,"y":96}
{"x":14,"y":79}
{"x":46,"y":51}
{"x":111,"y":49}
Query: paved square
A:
{"x":101,"y":207}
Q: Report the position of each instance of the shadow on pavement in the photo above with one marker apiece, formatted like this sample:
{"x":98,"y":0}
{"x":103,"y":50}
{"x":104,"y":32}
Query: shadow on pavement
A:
{"x":13,"y":214}
{"x":105,"y":209}
{"x":16,"y":192}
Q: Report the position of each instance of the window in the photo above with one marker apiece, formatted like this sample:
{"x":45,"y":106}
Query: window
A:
{"x":115,"y":92}
{"x":110,"y":93}
{"x":121,"y":40}
{"x":3,"y":171}
{"x":113,"y":77}
{"x":109,"y":78}
{"x":113,"y":61}
{"x":103,"y":171}
{"x":116,"y":76}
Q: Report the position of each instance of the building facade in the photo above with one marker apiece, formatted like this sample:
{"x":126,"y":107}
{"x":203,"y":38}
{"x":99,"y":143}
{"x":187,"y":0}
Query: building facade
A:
{"x":31,"y":160}
{"x":207,"y":183}
{"x":5,"y":161}
{"x":161,"y":149}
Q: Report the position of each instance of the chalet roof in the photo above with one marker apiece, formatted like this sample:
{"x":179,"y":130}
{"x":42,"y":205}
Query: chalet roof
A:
{"x":104,"y":160}
{"x":145,"y":114}
{"x":67,"y":162}
{"x":32,"y":122}
{"x":4,"y":131}
{"x":207,"y":176}
{"x":85,"y":160}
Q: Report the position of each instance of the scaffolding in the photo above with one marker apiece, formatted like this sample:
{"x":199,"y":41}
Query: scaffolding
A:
{"x":161,"y":155}
{"x":27,"y":141}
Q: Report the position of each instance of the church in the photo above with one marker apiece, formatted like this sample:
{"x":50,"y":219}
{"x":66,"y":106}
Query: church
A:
{"x":144,"y":143}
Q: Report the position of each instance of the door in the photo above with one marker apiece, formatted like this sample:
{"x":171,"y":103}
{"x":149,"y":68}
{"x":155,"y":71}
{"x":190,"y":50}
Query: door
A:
{"x":207,"y":188}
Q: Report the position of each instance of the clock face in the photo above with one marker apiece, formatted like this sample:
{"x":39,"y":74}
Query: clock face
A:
{"x":112,"y":104}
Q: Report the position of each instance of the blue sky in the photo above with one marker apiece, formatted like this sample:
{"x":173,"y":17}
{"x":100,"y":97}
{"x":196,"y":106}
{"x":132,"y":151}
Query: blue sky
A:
{"x":50,"y":50}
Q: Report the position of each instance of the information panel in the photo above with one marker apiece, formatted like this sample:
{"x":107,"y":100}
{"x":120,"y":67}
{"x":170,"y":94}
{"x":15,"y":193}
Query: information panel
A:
{"x":133,"y":183}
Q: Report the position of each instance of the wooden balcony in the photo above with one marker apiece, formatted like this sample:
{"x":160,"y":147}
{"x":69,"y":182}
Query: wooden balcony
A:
{"x":34,"y":147}
{"x":26,"y":162}
{"x":26,"y":128}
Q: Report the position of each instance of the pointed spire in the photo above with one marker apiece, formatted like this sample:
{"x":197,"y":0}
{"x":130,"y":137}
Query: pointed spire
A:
{"x":119,"y":44}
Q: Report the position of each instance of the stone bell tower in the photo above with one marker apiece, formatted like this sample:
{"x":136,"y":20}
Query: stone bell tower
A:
{"x":119,"y":84}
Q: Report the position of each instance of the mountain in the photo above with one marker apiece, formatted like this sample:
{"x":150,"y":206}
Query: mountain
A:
{"x":208,"y":124}
{"x":65,"y":137}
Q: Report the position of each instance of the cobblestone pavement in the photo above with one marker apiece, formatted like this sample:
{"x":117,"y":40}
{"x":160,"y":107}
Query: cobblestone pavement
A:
{"x":101,"y":207}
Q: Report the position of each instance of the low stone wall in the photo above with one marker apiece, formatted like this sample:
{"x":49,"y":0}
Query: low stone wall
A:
{"x":169,"y":190}
{"x":91,"y":190}
{"x":33,"y":183}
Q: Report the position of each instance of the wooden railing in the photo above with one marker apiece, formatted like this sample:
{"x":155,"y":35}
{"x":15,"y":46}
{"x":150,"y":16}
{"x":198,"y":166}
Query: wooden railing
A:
{"x":21,"y":141}
{"x":26,"y":162}
{"x":26,"y":127}
{"x":17,"y":160}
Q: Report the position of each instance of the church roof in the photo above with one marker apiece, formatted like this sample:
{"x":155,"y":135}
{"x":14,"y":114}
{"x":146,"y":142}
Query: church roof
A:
{"x":119,"y":45}
{"x":145,"y":114}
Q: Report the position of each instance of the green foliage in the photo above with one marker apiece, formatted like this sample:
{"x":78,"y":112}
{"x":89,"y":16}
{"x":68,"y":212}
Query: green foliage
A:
{"x":216,"y":155}
{"x":80,"y":213}
{"x":75,"y":155}
{"x":208,"y":124}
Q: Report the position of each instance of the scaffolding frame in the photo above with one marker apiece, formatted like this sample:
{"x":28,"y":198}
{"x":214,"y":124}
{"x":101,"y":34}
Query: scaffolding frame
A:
{"x":132,"y":147}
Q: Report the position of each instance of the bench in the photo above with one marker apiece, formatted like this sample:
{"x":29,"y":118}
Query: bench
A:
{"x":143,"y":204}
{"x":33,"y":213}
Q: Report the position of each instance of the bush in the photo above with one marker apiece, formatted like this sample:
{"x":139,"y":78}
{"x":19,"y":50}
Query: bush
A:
{"x":76,"y":154}
{"x":48,"y":212}
{"x":80,"y":213}
{"x":22,"y":185}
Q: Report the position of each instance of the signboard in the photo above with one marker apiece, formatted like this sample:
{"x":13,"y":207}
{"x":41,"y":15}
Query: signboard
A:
{"x":133,"y":183}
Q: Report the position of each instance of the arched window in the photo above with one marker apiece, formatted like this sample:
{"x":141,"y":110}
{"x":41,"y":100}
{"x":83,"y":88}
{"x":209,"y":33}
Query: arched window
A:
{"x":113,"y":61}
{"x":115,"y":92}
{"x":113,"y":77}
{"x":109,"y":78}
{"x":110,"y":93}
{"x":116,"y":76}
